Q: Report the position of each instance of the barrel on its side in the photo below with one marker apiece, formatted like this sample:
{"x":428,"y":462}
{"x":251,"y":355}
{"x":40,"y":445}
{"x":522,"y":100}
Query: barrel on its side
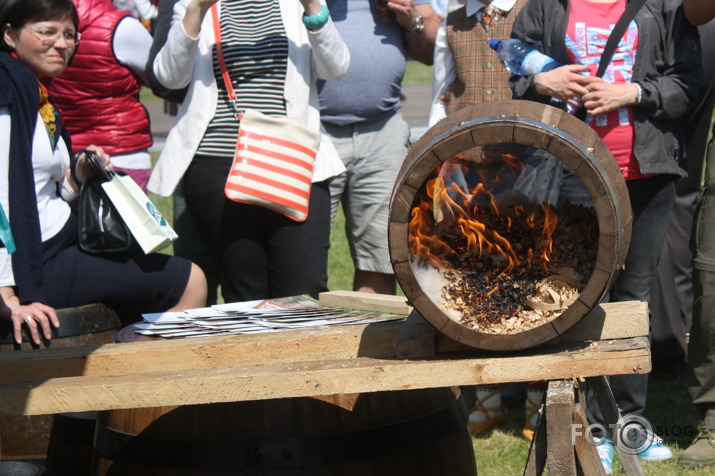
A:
{"x":27,"y":437}
{"x":411,"y":433}
{"x":529,"y":124}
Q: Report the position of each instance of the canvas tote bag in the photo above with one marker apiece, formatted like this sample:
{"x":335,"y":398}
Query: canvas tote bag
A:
{"x":275,"y":156}
{"x":148,"y":227}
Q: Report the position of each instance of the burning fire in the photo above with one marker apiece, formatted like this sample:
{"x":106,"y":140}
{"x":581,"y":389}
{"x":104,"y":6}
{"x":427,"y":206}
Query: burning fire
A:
{"x":490,"y":243}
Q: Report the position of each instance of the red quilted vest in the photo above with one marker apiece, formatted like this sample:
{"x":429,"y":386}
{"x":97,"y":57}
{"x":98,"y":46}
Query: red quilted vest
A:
{"x":98,"y":97}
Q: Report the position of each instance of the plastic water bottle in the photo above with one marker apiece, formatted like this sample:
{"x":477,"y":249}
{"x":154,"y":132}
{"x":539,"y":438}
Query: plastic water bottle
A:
{"x":522,"y":58}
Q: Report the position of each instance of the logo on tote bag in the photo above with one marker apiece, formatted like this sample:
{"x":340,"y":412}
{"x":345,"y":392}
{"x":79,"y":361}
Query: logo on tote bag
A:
{"x":156,"y":213}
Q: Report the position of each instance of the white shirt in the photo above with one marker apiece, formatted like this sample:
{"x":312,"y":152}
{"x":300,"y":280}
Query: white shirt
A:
{"x":131,"y":45}
{"x":444,"y":72}
{"x":50,"y":168}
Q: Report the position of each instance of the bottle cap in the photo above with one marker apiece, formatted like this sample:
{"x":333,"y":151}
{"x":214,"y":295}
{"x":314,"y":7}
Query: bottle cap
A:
{"x":494,"y":43}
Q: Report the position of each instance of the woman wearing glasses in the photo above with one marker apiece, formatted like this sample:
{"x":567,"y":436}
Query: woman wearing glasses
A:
{"x":47,"y":270}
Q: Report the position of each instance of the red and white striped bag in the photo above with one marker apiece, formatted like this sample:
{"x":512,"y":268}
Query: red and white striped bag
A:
{"x":275,"y":156}
{"x":273,"y":165}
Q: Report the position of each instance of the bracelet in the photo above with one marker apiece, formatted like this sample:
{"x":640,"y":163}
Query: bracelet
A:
{"x":639,"y":96}
{"x":314,"y":22}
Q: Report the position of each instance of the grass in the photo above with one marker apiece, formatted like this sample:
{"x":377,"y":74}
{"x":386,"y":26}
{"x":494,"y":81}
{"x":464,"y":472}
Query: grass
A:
{"x":502,"y":451}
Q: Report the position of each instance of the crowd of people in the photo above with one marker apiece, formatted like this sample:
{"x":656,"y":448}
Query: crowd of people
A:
{"x":72,"y":70}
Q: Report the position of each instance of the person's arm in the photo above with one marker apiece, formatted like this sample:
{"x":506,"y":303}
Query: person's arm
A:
{"x":160,"y":31}
{"x":331,"y":56}
{"x":131,"y":45}
{"x":174,"y":63}
{"x":443,"y":75}
{"x":419,"y":44}
{"x":699,"y":12}
{"x":672,"y":93}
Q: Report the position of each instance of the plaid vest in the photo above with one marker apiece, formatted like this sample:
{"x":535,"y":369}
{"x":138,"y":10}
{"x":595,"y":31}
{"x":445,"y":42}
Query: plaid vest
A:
{"x":480,"y":75}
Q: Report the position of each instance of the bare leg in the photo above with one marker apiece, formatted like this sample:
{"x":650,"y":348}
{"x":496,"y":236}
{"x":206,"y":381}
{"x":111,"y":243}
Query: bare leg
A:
{"x":195,"y":293}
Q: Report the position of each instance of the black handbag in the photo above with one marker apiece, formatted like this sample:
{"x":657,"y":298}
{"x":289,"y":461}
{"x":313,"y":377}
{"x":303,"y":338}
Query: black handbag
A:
{"x":100,"y":228}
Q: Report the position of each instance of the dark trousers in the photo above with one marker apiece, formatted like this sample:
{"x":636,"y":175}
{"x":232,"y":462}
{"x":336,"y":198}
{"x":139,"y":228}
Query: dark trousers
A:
{"x":259,"y":253}
{"x":651,"y":202}
{"x":701,"y":351}
{"x":671,"y":303}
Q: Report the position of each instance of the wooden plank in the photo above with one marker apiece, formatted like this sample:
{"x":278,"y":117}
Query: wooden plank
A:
{"x":365,"y":302}
{"x":416,"y":339}
{"x":116,"y":387}
{"x":560,"y":456}
{"x":177,"y":355}
{"x":611,"y":414}
{"x":587,"y":458}
{"x":616,"y":320}
{"x":536,"y":460}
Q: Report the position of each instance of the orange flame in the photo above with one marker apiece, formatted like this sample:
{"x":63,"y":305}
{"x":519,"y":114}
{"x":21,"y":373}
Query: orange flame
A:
{"x":456,"y":222}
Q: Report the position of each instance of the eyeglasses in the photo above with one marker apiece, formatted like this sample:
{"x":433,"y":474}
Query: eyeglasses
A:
{"x":50,"y":37}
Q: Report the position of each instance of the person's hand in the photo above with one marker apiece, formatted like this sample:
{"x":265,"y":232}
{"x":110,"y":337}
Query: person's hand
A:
{"x":606,"y":97}
{"x":404,"y":11}
{"x":37,"y":317}
{"x":565,"y":83}
{"x":84,"y":170}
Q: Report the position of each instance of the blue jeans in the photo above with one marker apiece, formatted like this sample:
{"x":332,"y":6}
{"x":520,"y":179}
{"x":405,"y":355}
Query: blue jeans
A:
{"x":651,"y":202}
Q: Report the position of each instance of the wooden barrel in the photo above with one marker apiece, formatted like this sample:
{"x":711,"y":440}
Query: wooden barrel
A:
{"x":532,"y":125}
{"x":27,"y":437}
{"x":411,"y":433}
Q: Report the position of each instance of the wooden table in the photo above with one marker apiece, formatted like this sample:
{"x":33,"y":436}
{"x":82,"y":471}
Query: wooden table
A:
{"x":396,"y":355}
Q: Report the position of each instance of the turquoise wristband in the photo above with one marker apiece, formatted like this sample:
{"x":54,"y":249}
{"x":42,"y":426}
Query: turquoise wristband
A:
{"x":313,"y":22}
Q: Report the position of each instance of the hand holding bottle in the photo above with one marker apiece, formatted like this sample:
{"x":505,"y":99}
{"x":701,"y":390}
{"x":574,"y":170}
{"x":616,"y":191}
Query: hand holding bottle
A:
{"x":565,"y":83}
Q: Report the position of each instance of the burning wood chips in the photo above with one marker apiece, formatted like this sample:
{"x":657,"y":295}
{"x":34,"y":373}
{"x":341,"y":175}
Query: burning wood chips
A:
{"x":551,"y":254}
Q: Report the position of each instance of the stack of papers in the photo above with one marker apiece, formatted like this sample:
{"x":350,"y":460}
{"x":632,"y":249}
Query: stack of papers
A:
{"x":299,"y":312}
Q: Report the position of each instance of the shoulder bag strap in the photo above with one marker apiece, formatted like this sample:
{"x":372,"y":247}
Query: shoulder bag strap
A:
{"x":222,"y":61}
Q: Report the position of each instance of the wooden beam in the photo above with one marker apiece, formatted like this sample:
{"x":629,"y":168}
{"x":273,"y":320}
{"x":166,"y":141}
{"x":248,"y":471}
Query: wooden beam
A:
{"x":615,"y":320}
{"x":190,"y":381}
{"x":559,"y":409}
{"x":202,"y":353}
{"x":365,"y":302}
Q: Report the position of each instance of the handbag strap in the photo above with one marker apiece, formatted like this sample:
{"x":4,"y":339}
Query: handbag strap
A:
{"x":94,"y":163}
{"x":614,"y":38}
{"x":222,"y":62}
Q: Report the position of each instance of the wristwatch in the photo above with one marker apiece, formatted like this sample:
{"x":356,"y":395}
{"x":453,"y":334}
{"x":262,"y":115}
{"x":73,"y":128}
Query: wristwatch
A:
{"x":418,"y":24}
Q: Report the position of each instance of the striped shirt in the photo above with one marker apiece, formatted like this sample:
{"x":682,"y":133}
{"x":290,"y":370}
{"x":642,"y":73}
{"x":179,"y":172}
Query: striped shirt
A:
{"x":255,"y":48}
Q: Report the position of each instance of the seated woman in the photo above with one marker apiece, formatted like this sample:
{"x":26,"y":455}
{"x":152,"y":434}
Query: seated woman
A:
{"x":47,"y":270}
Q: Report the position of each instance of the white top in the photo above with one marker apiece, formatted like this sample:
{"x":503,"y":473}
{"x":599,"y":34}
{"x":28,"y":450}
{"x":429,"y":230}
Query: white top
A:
{"x":50,"y":168}
{"x":131,"y":45}
{"x":186,"y":61}
{"x":444,"y":73}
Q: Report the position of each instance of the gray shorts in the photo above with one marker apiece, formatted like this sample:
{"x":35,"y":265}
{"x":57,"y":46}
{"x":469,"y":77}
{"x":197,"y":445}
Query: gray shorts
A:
{"x":373,"y":153}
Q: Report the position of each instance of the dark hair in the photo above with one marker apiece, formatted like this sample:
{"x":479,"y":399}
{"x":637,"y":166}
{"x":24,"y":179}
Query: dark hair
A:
{"x":17,"y":13}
